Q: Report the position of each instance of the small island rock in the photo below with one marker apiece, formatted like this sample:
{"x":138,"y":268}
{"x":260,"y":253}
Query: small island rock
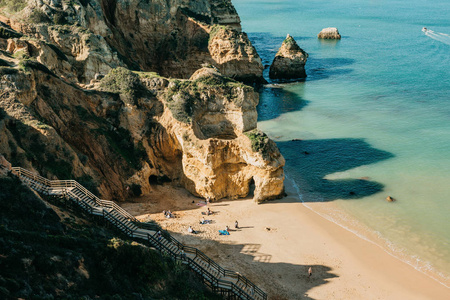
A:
{"x":330,"y":33}
{"x":289,"y":62}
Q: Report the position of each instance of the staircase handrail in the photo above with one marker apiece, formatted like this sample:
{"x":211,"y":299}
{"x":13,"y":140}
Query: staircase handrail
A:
{"x":212,"y":279}
{"x":80,"y":202}
{"x":128,"y":230}
{"x":24,"y":172}
{"x":120,"y":210}
{"x":218,"y":268}
{"x":62,"y":183}
{"x":21,"y":172}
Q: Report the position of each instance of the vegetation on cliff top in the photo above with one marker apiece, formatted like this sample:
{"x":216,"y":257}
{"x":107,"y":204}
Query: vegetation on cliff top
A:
{"x":185,"y":97}
{"x":13,"y":5}
{"x":47,"y":256}
{"x":215,"y":30}
{"x":261,"y":142}
{"x":121,"y":81}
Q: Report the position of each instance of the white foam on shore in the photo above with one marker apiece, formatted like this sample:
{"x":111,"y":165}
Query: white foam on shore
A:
{"x":341,"y":219}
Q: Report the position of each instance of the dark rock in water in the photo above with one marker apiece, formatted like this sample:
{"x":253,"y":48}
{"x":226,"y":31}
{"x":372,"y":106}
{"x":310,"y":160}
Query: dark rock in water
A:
{"x":352,"y":193}
{"x":289,"y":62}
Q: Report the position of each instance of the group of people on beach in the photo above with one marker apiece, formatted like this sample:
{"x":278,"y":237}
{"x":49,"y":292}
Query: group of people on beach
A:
{"x":168,"y":214}
{"x":204,"y":221}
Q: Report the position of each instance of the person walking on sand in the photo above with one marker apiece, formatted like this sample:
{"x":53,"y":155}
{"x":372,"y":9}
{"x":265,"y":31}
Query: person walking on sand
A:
{"x":309,"y":272}
{"x":236,"y":224}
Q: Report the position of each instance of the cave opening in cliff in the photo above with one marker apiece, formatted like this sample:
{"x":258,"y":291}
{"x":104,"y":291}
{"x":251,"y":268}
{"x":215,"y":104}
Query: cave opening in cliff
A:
{"x":251,"y":188}
{"x":154,"y":179}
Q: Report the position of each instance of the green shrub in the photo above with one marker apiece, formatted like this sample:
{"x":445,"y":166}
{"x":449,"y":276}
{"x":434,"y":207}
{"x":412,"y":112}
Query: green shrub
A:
{"x":216,"y":29}
{"x":260,"y":141}
{"x":122,"y":143}
{"x":38,"y":17}
{"x":122,"y":81}
{"x":28,"y":64}
{"x":59,"y":18}
{"x":13,"y":5}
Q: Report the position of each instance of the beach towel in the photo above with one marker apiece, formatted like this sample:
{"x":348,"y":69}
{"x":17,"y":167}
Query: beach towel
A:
{"x":224,"y":232}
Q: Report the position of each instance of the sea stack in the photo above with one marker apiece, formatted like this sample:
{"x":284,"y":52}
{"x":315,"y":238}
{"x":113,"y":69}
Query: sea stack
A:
{"x":330,"y":33}
{"x":289,"y":62}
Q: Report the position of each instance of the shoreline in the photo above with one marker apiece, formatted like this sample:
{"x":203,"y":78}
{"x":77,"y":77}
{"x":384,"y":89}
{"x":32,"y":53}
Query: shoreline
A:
{"x":362,"y":231}
{"x":280,"y":240}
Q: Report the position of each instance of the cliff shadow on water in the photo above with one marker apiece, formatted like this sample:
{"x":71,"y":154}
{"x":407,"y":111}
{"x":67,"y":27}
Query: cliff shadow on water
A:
{"x":275,"y":101}
{"x":323,"y":68}
{"x":308,"y":162}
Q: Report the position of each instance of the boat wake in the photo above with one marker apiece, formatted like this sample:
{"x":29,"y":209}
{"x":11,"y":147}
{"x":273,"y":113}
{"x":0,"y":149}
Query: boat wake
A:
{"x":438,"y":36}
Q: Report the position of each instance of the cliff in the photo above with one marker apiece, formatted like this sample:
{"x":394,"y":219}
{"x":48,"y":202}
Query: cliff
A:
{"x":70,"y":107}
{"x":173,"y":38}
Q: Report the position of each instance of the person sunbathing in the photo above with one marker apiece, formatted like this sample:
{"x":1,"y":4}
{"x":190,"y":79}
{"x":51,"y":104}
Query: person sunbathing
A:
{"x":191,"y":230}
{"x":203,"y":221}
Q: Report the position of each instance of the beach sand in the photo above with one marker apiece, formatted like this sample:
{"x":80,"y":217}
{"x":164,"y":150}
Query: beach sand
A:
{"x":278,"y":241}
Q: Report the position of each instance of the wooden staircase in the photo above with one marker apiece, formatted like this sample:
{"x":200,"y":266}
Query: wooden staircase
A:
{"x":228,"y":283}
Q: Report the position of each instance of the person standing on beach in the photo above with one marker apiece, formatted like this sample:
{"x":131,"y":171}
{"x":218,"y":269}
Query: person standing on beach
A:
{"x":309,"y":272}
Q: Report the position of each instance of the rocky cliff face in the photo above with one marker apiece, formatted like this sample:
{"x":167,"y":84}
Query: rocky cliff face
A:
{"x":172,"y":38}
{"x":130,"y":130}
{"x":289,"y":62}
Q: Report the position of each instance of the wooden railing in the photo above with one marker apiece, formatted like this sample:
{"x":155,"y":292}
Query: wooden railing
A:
{"x":160,"y":243}
{"x":118,"y":223}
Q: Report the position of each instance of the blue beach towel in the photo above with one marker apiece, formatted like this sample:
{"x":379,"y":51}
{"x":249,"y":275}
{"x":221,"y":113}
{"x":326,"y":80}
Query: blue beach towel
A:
{"x":224,"y":232}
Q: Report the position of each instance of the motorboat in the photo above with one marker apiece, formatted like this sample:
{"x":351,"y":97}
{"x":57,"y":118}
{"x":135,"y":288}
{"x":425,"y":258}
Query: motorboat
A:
{"x":424,"y":29}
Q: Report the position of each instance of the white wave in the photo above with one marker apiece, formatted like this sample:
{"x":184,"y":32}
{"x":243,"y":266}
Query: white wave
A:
{"x":438,"y":36}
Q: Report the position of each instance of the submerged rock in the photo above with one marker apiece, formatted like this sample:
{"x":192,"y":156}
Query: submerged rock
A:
{"x":289,"y":62}
{"x":330,"y":33}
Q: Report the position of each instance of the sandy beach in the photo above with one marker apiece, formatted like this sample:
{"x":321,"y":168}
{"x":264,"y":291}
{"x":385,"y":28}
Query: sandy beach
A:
{"x":277,"y":242}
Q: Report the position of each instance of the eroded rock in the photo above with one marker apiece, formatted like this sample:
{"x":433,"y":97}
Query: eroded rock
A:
{"x":289,"y":62}
{"x":329,"y":33}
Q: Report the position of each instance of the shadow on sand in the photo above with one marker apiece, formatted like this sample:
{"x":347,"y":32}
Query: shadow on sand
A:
{"x":259,"y":269}
{"x":310,"y":161}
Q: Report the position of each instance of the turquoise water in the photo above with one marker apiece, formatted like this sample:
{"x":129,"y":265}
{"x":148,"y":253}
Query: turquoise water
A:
{"x":372,"y":118}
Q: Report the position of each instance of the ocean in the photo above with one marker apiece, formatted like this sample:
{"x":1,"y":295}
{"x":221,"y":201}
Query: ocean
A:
{"x":371,"y":120}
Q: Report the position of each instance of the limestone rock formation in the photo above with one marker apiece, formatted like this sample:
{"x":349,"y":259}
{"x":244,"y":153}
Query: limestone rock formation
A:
{"x":234,"y":55}
{"x":331,"y":33}
{"x":170,"y":38}
{"x":218,"y":142}
{"x":70,"y":107}
{"x":289,"y":62}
